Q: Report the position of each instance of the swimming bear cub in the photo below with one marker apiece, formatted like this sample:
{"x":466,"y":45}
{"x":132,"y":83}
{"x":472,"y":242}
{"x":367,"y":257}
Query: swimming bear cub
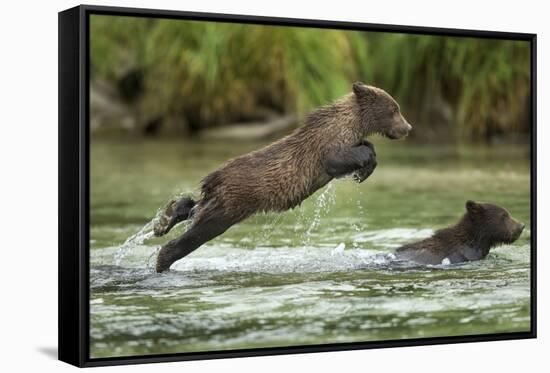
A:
{"x":331,"y":144}
{"x":482,"y":227}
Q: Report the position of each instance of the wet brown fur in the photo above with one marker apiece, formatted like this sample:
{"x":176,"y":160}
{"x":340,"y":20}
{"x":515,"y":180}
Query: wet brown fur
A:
{"x":481,"y":228}
{"x":281,"y":175}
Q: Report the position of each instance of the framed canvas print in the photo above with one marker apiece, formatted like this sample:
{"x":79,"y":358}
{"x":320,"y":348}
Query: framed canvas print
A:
{"x":237,"y":186}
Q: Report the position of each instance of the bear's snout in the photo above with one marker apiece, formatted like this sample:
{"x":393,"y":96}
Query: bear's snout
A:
{"x":401,"y":130}
{"x":519,"y":226}
{"x":406,"y":125}
{"x":516,"y":232}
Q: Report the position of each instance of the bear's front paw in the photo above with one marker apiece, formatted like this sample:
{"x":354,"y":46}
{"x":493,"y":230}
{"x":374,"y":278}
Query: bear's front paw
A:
{"x":367,"y":157}
{"x":363,"y":173}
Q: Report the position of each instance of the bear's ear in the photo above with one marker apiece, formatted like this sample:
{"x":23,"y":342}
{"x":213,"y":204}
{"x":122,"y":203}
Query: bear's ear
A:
{"x":361,"y":90}
{"x":473,"y":207}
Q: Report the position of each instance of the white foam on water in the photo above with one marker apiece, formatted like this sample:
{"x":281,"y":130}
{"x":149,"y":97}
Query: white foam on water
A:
{"x":393,"y":237}
{"x":338,"y":249}
{"x":223,"y":256}
{"x":280,"y":259}
{"x":374,"y":249}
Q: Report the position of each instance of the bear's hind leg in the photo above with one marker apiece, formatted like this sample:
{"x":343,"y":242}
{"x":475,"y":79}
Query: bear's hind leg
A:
{"x":206,"y":227}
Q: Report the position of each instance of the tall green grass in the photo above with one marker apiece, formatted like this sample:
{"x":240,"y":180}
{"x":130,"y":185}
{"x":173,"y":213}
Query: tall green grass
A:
{"x":486,"y":82}
{"x":215,"y":73}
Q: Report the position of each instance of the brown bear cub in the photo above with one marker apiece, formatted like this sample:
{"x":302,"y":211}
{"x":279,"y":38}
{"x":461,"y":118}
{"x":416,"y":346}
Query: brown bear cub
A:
{"x":330,"y":144}
{"x":482,"y":227}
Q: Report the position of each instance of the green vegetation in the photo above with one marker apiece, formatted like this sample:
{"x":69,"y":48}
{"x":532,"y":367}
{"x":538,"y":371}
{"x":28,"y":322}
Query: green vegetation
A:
{"x":209,"y":74}
{"x":485,"y":81}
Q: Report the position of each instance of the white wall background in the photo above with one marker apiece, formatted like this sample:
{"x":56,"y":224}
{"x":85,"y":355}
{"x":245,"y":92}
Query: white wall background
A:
{"x":28,"y":172}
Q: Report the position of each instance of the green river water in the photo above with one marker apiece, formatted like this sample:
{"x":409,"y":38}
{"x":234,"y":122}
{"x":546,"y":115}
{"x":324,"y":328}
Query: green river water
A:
{"x":314,"y":275}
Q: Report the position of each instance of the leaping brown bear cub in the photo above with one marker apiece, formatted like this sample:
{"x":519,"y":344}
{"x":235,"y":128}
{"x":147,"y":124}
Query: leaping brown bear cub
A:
{"x":330,"y":144}
{"x":481,"y":228}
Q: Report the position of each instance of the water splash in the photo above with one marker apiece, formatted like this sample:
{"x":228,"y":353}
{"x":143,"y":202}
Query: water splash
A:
{"x":338,"y":249}
{"x":145,"y":233}
{"x":151,"y":259}
{"x":356,"y":226}
{"x":322,"y":206}
{"x":266,"y":231}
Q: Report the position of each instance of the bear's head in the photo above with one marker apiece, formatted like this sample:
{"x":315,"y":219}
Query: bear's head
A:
{"x":493,"y":224}
{"x":380,"y":112}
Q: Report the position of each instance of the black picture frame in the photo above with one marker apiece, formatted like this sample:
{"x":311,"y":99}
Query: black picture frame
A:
{"x":74,"y":184}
